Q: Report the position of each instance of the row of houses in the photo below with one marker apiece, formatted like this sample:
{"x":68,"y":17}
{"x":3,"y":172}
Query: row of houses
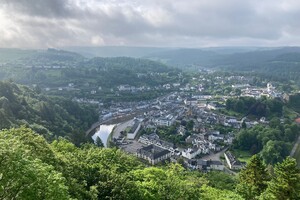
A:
{"x":205,"y":165}
{"x":232,"y":162}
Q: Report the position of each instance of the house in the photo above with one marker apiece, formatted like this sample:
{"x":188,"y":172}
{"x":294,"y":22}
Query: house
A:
{"x":190,"y":101}
{"x":211,"y":106}
{"x":205,"y":165}
{"x":191,"y":153}
{"x":154,"y":139}
{"x":181,"y":130}
{"x":125,"y":88}
{"x":153,"y":154}
{"x":165,"y":121}
{"x":197,"y":164}
{"x":216,"y":165}
{"x":214,"y":137}
{"x":232,"y":162}
{"x":134,"y":129}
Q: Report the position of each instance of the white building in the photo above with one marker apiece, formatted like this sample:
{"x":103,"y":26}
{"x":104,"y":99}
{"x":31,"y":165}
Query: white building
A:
{"x":134,"y":129}
{"x":191,"y":153}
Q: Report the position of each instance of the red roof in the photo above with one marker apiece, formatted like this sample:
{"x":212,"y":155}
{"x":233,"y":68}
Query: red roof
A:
{"x":297,"y":120}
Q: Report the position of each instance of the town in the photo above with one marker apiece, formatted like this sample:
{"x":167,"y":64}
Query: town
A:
{"x":186,"y":125}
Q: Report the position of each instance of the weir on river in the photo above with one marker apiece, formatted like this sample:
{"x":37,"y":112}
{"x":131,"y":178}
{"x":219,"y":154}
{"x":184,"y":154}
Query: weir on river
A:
{"x":103,"y":133}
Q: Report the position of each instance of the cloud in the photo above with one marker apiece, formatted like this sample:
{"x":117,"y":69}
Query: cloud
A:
{"x":187,"y":23}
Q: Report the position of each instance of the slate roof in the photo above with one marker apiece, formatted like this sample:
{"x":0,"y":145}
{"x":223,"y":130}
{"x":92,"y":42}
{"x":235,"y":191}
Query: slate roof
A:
{"x":153,"y":151}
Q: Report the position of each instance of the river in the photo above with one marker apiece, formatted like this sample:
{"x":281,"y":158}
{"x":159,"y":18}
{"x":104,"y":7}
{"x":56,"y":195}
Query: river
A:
{"x":103,"y":133}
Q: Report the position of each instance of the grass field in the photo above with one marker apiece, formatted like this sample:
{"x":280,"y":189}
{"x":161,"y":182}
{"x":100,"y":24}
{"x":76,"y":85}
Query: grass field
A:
{"x":243,"y":156}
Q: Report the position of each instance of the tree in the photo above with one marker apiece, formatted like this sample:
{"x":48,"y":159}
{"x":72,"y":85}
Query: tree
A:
{"x":26,"y":171}
{"x":275,"y":151}
{"x":190,"y":125}
{"x":244,"y":125}
{"x":99,"y":142}
{"x":286,"y":182}
{"x":221,"y":180}
{"x":252,"y":179}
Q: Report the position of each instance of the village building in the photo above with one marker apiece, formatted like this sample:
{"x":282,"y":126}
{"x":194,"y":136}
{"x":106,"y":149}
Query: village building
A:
{"x":153,"y":154}
{"x":232,"y":162}
{"x":191,"y":153}
{"x":154,"y":139}
{"x":205,"y":165}
{"x":134,"y":129}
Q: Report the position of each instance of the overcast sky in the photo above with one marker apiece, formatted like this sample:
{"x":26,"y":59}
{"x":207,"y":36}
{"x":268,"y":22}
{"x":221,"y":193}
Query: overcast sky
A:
{"x":164,"y":23}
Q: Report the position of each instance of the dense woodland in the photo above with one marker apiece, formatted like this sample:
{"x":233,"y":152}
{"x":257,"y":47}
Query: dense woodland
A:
{"x":50,"y":116}
{"x":33,"y":169}
{"x":263,"y":107}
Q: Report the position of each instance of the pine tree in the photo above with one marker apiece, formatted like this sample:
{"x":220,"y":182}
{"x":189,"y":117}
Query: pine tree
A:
{"x":99,"y":142}
{"x":286,"y":182}
{"x":252,"y":179}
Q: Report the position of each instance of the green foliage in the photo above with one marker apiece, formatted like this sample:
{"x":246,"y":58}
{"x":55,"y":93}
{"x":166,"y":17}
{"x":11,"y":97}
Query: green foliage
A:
{"x":286,"y":182}
{"x":252,"y":179}
{"x":209,"y":193}
{"x":294,"y":101}
{"x":275,"y":151}
{"x":171,"y":183}
{"x":50,"y":116}
{"x":273,"y":141}
{"x":99,"y":142}
{"x":26,"y":170}
{"x":170,"y":134}
{"x":33,"y":169}
{"x":30,"y":168}
{"x":259,"y":108}
{"x":221,"y":180}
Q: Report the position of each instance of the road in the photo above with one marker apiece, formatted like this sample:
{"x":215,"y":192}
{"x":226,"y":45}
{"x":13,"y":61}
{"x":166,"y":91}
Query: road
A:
{"x":121,"y":127}
{"x":295,"y":147}
{"x":215,"y":156}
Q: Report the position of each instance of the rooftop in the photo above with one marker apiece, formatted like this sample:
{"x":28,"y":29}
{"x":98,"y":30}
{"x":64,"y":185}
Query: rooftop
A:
{"x":153,"y":151}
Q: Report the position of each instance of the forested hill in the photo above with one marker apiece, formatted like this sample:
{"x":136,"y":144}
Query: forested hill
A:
{"x":33,"y":169}
{"x":50,"y":116}
{"x":54,"y":68}
{"x":237,"y":57}
{"x":53,"y":57}
{"x":282,"y":63}
{"x":39,"y":57}
{"x":127,"y":63}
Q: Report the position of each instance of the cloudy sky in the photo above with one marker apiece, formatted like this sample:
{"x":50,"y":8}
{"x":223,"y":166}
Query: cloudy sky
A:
{"x":165,"y":23}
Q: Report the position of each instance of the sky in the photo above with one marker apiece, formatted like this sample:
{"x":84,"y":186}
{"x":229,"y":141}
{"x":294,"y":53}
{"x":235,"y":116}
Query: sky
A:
{"x":155,"y":23}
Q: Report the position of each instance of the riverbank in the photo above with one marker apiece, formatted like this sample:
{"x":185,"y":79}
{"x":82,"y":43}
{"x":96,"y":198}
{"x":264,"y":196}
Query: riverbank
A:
{"x":103,"y":133}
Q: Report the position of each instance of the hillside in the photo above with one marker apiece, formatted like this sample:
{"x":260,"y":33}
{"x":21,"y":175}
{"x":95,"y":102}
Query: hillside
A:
{"x":50,"y":116}
{"x":10,"y":55}
{"x":114,"y":51}
{"x":282,"y":63}
{"x":58,"y":68}
{"x":232,"y":57}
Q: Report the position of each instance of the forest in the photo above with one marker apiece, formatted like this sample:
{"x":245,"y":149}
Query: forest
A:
{"x":263,"y":107}
{"x":50,"y":116}
{"x":31,"y":168}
